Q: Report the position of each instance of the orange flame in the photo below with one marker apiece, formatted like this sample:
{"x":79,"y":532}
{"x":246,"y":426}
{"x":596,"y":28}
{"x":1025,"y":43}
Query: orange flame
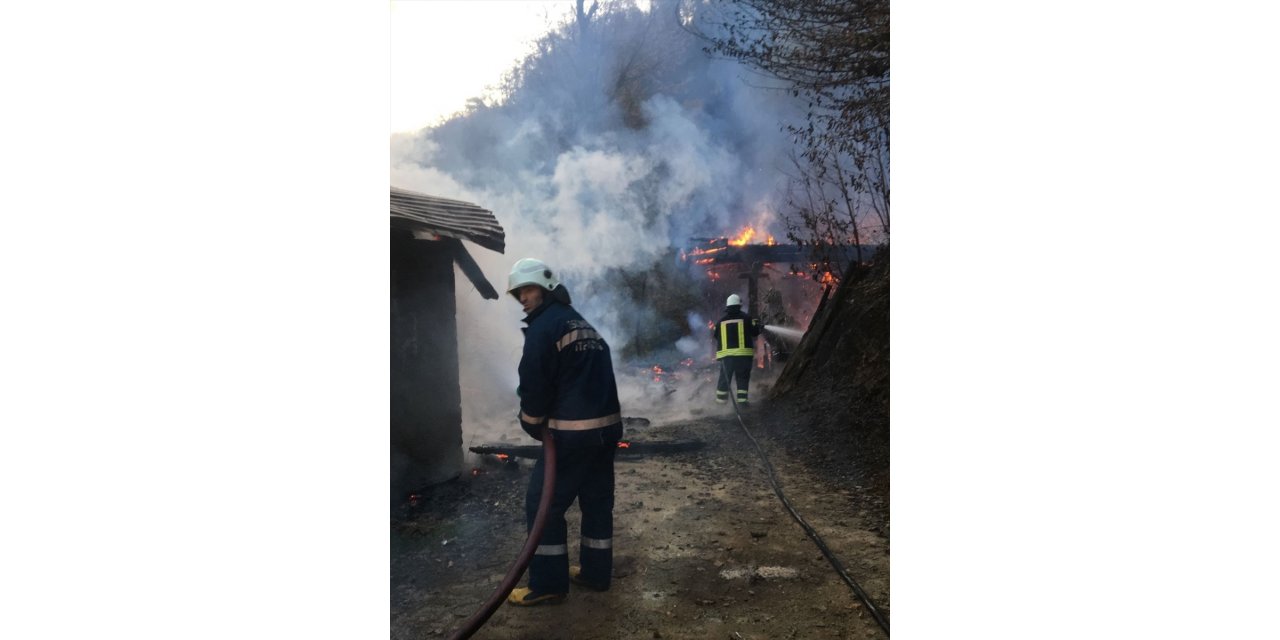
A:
{"x":624,"y":445}
{"x":744,"y":237}
{"x":503,"y":456}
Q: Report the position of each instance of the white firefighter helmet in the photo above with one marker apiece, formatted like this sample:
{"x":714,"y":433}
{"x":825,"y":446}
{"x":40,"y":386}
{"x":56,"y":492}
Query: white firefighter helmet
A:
{"x":530,"y":271}
{"x":733,"y":301}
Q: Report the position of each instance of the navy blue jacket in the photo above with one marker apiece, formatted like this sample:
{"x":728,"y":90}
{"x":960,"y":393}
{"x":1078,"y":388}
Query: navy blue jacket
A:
{"x":566,"y":378}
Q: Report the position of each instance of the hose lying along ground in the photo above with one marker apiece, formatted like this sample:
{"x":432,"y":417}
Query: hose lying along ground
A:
{"x":813,"y":535}
{"x":481,"y":616}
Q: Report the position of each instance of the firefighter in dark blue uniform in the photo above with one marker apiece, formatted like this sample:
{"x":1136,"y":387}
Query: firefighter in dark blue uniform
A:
{"x":567,"y":384}
{"x":735,"y":338}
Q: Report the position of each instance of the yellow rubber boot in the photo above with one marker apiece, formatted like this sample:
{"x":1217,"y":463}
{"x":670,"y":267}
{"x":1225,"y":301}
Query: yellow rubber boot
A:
{"x":525,"y":597}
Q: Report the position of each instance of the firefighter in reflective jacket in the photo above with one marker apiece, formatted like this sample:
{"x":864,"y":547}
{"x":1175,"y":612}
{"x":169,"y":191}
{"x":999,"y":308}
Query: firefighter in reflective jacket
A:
{"x":735,"y":338}
{"x":567,"y":384}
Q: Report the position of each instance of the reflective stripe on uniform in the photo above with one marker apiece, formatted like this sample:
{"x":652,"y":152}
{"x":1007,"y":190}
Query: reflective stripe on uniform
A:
{"x":722,"y":394}
{"x":576,"y":335}
{"x":597,"y":543}
{"x":531,"y":419}
{"x":583,"y":425}
{"x":552,"y":550}
{"x":742,"y":349}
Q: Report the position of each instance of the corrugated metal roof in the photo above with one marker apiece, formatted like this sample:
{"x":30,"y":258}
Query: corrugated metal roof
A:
{"x":452,"y":218}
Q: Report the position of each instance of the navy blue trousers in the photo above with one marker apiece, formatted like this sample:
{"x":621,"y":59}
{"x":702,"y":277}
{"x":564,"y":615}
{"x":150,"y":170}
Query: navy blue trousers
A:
{"x":739,"y":368}
{"x":584,"y":472}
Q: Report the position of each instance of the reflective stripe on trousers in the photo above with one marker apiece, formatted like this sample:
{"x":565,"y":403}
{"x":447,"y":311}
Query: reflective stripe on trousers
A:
{"x":596,"y":543}
{"x":583,"y":474}
{"x":734,"y":369}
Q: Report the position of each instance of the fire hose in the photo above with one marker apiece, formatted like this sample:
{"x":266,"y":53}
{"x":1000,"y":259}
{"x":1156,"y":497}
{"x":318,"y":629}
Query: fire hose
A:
{"x":508,"y":583}
{"x":809,"y":531}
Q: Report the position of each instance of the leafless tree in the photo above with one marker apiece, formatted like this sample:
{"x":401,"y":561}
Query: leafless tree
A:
{"x":629,"y":54}
{"x":834,"y":54}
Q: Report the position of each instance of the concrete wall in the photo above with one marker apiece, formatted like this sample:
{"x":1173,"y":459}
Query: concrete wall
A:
{"x":426,"y":401}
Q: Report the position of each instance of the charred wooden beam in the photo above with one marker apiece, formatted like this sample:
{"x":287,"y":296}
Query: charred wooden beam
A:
{"x":777,"y":253}
{"x":470,"y":268}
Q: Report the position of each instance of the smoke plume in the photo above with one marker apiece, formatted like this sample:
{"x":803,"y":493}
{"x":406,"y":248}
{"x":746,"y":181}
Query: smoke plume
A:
{"x":618,"y":140}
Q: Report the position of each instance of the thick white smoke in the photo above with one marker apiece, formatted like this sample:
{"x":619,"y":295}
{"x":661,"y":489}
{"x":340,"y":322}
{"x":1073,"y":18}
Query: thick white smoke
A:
{"x":618,"y":141}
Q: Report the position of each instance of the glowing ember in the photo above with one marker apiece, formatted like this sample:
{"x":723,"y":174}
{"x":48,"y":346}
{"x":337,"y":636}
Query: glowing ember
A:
{"x":502,"y":456}
{"x":702,"y":252}
{"x":475,"y":471}
{"x":624,"y":445}
{"x":688,"y":362}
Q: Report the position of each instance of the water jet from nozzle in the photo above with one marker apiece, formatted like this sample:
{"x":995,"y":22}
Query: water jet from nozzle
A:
{"x":786,"y":333}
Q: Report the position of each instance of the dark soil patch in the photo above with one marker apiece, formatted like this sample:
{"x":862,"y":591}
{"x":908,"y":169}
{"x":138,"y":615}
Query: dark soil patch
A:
{"x":830,"y":405}
{"x":702,"y":547}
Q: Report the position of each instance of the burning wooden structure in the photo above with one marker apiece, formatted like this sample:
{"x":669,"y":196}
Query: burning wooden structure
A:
{"x":797,"y":276}
{"x":799,"y":260}
{"x":426,"y":400}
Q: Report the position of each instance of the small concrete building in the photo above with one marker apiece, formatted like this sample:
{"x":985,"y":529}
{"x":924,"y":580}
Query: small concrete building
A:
{"x":426,"y":400}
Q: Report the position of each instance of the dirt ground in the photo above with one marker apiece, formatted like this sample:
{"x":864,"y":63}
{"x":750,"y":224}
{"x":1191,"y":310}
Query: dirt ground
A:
{"x":702,"y":546}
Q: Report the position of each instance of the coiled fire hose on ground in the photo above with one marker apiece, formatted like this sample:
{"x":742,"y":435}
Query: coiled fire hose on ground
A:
{"x":813,"y":535}
{"x":481,"y":616}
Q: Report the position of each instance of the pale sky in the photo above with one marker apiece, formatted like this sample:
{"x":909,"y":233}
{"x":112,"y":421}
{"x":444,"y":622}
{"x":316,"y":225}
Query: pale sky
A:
{"x":446,"y":51}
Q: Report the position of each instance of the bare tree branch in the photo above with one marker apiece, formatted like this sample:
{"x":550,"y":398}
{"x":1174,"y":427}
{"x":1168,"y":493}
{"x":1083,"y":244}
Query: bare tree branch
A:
{"x":834,"y":54}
